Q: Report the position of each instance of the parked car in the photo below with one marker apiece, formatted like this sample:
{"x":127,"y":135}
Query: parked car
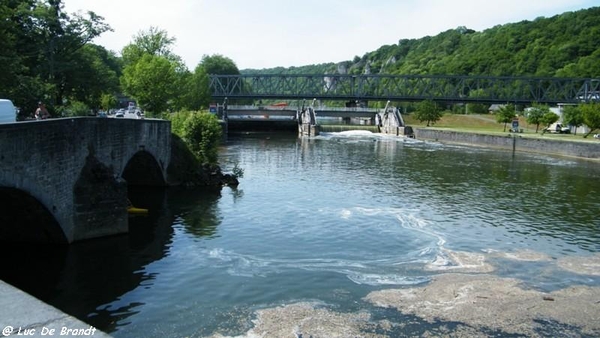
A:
{"x":8,"y":112}
{"x":120,"y":113}
{"x":592,"y":96}
{"x":558,"y":128}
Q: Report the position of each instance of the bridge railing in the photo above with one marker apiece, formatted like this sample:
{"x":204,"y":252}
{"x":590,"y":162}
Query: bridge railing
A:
{"x":483,"y":89}
{"x":260,"y":107}
{"x":348,"y":109}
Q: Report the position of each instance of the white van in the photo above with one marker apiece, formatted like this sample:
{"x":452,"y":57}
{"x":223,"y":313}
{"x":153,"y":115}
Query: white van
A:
{"x":8,"y":112}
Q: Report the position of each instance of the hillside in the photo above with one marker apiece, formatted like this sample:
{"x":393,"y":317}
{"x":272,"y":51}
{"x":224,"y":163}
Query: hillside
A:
{"x":566,"y":45}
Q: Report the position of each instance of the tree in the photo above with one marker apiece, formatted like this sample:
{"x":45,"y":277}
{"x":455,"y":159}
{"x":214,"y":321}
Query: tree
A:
{"x":151,"y":81}
{"x":547,"y":119}
{"x":153,"y":74}
{"x":505,"y":114}
{"x":219,"y":64}
{"x":95,"y":74}
{"x":196,"y":94}
{"x":39,"y":49}
{"x":428,"y":111}
{"x":573,"y":117}
{"x":153,"y":41}
{"x":60,"y":38}
{"x":10,"y":58}
{"x":75,"y":108}
{"x":476,"y":108}
{"x":591,"y":116}
{"x":535,"y":114}
{"x":108,"y":101}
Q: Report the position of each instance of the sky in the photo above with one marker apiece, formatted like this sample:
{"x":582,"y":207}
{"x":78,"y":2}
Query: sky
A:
{"x":272,"y":33}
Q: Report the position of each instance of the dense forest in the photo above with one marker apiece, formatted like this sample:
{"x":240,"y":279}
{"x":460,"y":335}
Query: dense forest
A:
{"x":565,"y":45}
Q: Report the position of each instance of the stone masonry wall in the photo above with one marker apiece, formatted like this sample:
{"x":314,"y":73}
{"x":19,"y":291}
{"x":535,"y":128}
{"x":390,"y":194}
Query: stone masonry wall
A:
{"x":589,"y":150}
{"x":45,"y":159}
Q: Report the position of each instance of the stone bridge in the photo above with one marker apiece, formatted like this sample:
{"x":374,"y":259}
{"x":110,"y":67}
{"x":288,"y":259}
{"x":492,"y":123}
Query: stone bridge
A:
{"x":65,"y":180}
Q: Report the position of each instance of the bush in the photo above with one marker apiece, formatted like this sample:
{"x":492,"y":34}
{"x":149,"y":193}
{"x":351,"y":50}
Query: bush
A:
{"x":200,"y":131}
{"x":75,"y":108}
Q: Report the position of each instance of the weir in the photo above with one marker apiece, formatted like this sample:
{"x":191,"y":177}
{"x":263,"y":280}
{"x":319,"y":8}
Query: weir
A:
{"x":390,"y":122}
{"x":309,"y":120}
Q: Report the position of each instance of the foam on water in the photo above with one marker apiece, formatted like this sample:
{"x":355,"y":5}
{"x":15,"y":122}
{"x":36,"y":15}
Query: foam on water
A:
{"x":373,"y":268}
{"x":365,"y":271}
{"x":353,"y":135}
{"x":407,"y":267}
{"x":386,"y":279}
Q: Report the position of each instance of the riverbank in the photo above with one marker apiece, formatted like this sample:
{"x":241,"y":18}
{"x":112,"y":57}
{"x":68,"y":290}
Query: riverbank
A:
{"x":514,"y":142}
{"x":25,"y":315}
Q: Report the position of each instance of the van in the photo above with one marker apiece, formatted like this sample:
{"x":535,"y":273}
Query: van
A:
{"x":8,"y":112}
{"x":558,"y":128}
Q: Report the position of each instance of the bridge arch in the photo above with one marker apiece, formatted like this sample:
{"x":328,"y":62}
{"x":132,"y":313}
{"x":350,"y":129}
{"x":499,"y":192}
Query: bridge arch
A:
{"x":143,"y":169}
{"x":24,"y":218}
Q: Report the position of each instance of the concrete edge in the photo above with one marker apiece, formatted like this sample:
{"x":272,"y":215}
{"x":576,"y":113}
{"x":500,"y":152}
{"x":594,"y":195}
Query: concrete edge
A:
{"x":23,"y":314}
{"x":589,"y":151}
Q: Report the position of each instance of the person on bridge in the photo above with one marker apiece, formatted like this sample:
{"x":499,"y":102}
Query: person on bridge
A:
{"x":41,"y":113}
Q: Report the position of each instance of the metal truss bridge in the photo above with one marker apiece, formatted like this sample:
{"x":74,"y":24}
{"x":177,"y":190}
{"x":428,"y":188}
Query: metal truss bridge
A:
{"x":407,"y":88}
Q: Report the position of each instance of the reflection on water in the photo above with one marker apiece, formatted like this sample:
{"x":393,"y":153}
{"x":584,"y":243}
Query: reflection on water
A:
{"x":197,"y":211}
{"x":82,"y":278}
{"x":326,"y":221}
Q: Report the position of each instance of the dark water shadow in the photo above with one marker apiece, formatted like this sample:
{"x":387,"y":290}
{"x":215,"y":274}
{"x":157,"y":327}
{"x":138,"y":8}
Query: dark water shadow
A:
{"x":80,"y":277}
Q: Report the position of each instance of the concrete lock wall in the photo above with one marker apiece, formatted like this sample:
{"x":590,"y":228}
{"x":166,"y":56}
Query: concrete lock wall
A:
{"x":590,"y":150}
{"x":73,"y":167}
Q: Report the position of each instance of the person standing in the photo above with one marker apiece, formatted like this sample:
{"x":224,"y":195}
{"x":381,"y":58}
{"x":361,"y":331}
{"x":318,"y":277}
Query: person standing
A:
{"x":41,"y":113}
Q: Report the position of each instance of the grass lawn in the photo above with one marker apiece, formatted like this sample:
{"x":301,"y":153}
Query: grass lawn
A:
{"x":486,"y":123}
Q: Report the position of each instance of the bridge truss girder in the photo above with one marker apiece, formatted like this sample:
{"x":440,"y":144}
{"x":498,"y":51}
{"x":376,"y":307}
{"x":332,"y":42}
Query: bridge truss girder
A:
{"x":441,"y":88}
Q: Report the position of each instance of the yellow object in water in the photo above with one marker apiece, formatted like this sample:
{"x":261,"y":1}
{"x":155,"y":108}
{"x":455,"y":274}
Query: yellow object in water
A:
{"x":136,"y":211}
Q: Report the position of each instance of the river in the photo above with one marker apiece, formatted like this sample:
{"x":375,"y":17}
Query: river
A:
{"x":321,"y":229}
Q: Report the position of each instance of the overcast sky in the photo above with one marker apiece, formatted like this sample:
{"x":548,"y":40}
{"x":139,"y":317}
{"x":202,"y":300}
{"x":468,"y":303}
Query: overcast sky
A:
{"x":272,"y":33}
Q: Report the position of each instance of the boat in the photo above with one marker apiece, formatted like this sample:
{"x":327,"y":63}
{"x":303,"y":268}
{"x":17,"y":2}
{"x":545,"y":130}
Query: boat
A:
{"x":135,"y":211}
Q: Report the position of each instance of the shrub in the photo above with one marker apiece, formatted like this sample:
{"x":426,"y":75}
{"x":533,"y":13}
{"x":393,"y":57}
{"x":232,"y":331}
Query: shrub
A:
{"x":200,"y":131}
{"x":75,"y":108}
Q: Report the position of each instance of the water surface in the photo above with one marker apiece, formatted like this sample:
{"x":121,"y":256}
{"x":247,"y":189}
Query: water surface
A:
{"x":326,"y":221}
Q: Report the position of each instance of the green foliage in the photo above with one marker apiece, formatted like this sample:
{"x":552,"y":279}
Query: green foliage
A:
{"x":505,"y":114}
{"x":45,"y":55}
{"x":535,"y":114}
{"x":573,"y":116}
{"x":158,"y":78}
{"x":219,"y":64}
{"x":75,"y":108}
{"x":428,"y":111}
{"x":196,"y":95}
{"x":591,"y":116}
{"x":237,"y":171}
{"x":323,"y":68}
{"x":564,"y":45}
{"x":94,"y":73}
{"x":151,"y":82}
{"x":477,"y":108}
{"x":200,"y":131}
{"x":547,"y":119}
{"x":153,"y":41}
{"x":108,"y":101}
